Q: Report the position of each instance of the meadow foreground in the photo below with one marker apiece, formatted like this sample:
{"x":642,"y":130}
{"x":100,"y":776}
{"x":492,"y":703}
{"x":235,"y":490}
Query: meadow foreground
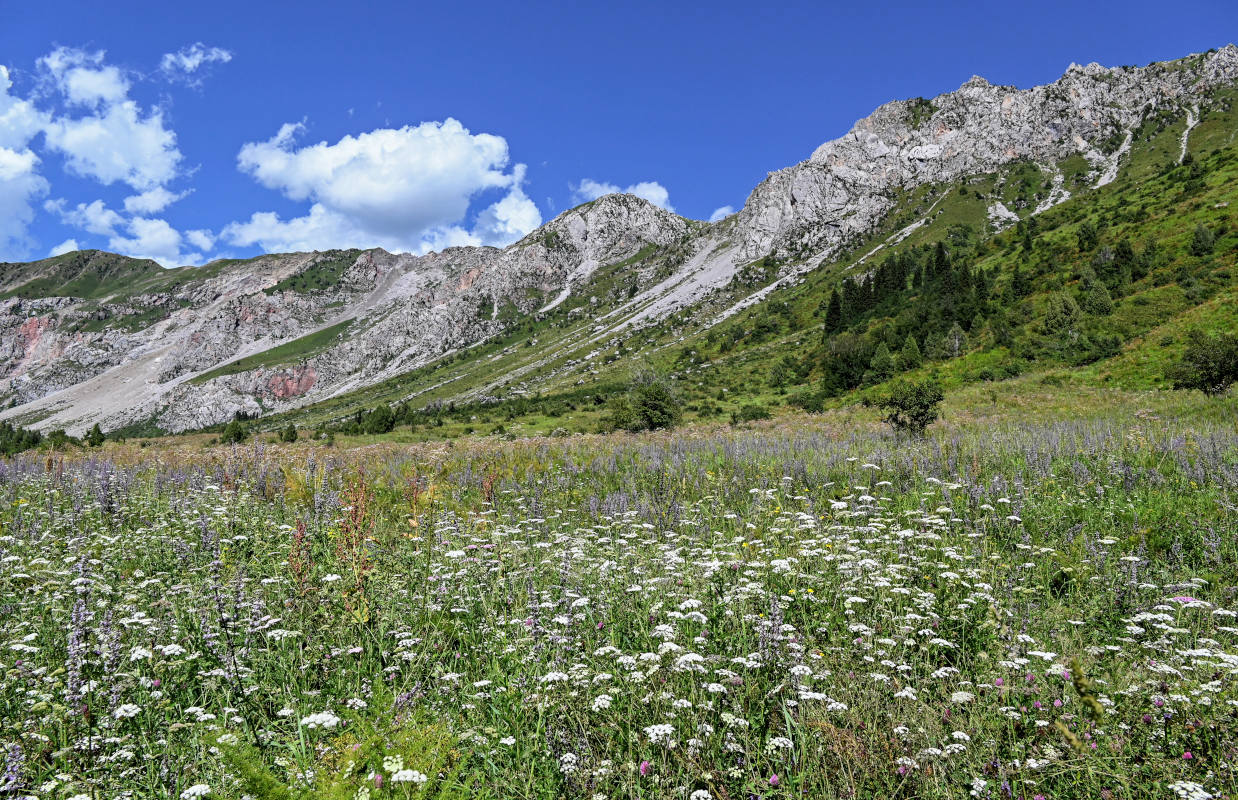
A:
{"x":1002,"y":610}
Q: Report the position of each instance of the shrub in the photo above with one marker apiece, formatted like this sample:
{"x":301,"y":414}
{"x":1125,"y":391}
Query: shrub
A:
{"x":234,"y":432}
{"x":749,"y":413}
{"x":912,"y":405}
{"x":1202,"y":242}
{"x":95,"y":437}
{"x":649,"y":404}
{"x":288,"y":434}
{"x":1209,"y":364}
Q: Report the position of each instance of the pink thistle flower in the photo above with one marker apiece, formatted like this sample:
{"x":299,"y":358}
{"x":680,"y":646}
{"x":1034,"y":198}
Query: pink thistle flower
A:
{"x":773,"y":779}
{"x":644,"y":768}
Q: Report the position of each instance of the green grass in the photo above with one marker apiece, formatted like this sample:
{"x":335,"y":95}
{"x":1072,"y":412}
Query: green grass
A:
{"x":1038,"y":594}
{"x":323,"y":273}
{"x":291,"y":352}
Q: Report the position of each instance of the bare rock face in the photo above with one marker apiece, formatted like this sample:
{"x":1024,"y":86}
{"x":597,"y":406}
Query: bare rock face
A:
{"x":848,"y":184}
{"x":63,"y":363}
{"x":189,"y":348}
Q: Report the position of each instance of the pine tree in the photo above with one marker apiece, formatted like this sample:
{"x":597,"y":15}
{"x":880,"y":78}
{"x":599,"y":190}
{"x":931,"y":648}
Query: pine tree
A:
{"x":834,"y":314}
{"x":1098,"y":300}
{"x":956,"y":340}
{"x":95,"y":437}
{"x":1202,"y":242}
{"x":881,"y":368}
{"x":909,"y":357}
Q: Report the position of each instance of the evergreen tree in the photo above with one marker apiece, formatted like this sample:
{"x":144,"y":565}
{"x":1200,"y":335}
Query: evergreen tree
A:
{"x":1062,"y":314}
{"x":977,"y":324}
{"x":881,"y":368}
{"x":834,"y":314}
{"x":1087,"y":236}
{"x":95,"y":437}
{"x":999,"y":325}
{"x":909,"y":357}
{"x":956,"y":341}
{"x":1098,"y":301}
{"x":1202,"y":242}
{"x":1020,"y":286}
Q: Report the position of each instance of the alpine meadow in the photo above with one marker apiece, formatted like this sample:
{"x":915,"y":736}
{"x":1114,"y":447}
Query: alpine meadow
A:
{"x":914,"y":477}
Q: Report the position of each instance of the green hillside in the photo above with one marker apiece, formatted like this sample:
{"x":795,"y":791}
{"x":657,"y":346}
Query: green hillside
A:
{"x":1098,"y":290}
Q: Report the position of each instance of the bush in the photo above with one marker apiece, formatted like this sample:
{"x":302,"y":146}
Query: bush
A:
{"x":650,"y":404}
{"x":1202,"y":242}
{"x":1209,"y":364}
{"x":912,"y":405}
{"x":95,"y":437}
{"x":289,"y":434}
{"x":234,"y":432}
{"x":14,"y":440}
{"x":749,"y":413}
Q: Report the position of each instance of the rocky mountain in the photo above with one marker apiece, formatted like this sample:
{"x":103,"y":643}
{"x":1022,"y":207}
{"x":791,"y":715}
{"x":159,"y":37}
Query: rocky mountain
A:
{"x":91,"y":337}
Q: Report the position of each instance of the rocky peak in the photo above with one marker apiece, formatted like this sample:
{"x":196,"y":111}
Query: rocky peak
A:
{"x":611,"y":225}
{"x":842,"y":190}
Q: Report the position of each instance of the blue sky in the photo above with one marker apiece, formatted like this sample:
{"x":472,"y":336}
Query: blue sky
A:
{"x":188,"y":132}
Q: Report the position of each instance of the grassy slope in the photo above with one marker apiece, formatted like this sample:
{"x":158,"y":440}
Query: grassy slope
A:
{"x":1144,"y":204}
{"x":287,"y":353}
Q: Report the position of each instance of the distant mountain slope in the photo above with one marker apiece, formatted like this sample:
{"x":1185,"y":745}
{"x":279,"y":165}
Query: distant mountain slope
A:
{"x":92,"y":337}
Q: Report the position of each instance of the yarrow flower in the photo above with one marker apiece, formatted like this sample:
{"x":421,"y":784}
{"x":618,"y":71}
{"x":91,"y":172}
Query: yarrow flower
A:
{"x":409,"y":776}
{"x":323,"y":719}
{"x":660,"y":734}
{"x":126,"y":711}
{"x":197,"y":790}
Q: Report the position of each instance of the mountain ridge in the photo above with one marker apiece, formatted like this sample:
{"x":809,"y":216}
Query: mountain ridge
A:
{"x":619,"y":263}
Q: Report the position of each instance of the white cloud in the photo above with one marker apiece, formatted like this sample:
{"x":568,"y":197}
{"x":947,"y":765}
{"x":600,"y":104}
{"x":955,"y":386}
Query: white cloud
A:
{"x":154,"y":239}
{"x":94,"y":217}
{"x":135,"y":236}
{"x":83,"y":78}
{"x":152,"y":201}
{"x":117,"y":144}
{"x":510,"y":218}
{"x":67,"y":246}
{"x":115,"y":141}
{"x":20,"y":182}
{"x":187,"y":60}
{"x":721,"y":213}
{"x":401,"y":189}
{"x":202,"y":239}
{"x":589,"y":189}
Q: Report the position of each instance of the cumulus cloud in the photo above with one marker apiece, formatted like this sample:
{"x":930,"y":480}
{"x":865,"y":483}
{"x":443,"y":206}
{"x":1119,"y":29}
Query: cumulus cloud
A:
{"x":67,"y":246}
{"x":115,"y":140}
{"x":721,"y":213}
{"x":83,"y":78}
{"x":202,"y":239}
{"x":589,"y":189}
{"x":187,"y":60}
{"x":20,"y":181}
{"x":94,"y":217}
{"x":406,"y":188}
{"x":154,"y":239}
{"x":117,"y":144}
{"x":103,"y":135}
{"x":152,"y":201}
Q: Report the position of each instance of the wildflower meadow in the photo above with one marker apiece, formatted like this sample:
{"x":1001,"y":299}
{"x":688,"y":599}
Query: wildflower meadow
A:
{"x":791,"y":610}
